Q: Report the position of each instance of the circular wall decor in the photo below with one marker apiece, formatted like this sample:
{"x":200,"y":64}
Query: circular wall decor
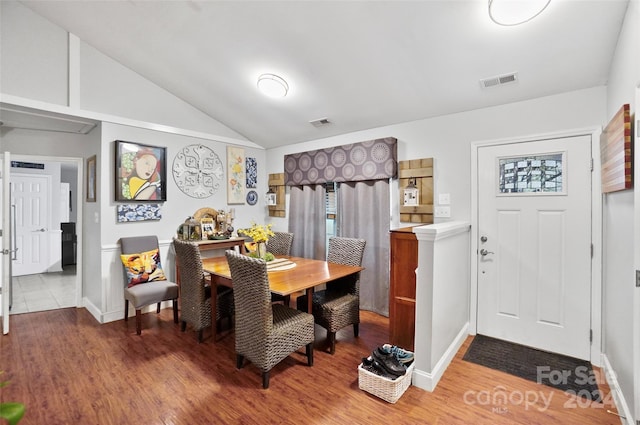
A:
{"x":252,"y":197}
{"x":197,"y":171}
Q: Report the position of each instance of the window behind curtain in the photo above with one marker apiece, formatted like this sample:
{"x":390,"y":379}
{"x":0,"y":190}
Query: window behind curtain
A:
{"x":331,"y":208}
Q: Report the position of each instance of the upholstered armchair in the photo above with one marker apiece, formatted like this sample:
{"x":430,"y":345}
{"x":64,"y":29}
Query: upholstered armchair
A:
{"x":338,"y":305}
{"x":195,"y":291}
{"x":265,"y":332}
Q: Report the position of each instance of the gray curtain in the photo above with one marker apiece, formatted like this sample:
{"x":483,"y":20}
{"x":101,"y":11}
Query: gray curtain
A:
{"x":363,"y":212}
{"x":307,"y":221}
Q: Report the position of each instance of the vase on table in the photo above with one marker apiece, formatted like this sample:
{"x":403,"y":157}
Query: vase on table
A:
{"x":261,"y":250}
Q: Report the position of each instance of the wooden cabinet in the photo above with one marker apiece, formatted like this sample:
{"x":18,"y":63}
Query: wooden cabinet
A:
{"x":402,"y":287}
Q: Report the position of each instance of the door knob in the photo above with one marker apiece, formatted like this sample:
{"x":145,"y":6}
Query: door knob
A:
{"x":484,"y":252}
{"x":41,"y":230}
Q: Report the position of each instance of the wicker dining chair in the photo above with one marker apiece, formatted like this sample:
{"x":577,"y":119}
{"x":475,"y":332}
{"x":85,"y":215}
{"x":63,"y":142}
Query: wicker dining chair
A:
{"x":280,"y":244}
{"x":266,"y":333}
{"x":338,"y":305}
{"x":195,"y":293}
{"x":144,"y":286}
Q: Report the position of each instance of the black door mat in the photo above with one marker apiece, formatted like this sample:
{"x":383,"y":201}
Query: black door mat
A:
{"x":565,"y":373}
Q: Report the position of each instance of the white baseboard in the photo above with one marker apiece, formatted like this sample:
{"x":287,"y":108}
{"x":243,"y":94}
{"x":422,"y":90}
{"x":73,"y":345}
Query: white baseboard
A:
{"x":428,"y":381}
{"x":95,"y":311}
{"x":112,"y":316}
{"x":626,"y":417}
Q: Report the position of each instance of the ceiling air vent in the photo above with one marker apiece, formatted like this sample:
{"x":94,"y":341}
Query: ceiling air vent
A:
{"x":499,"y":80}
{"x":320,"y":122}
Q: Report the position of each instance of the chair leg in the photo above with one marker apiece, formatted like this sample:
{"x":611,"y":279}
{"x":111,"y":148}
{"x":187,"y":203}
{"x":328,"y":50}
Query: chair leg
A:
{"x":158,"y":308}
{"x":239,"y":361}
{"x":126,"y":310}
{"x":265,"y":380}
{"x":139,"y":321}
{"x":356,"y":329}
{"x":332,"y":342}
{"x":310,"y":354}
{"x":183,"y":326}
{"x":175,"y":311}
{"x":200,"y":332}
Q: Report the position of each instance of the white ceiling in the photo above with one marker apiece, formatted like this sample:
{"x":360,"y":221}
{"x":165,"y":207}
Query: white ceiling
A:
{"x":361,"y":64}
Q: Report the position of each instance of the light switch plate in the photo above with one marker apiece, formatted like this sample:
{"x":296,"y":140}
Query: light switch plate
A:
{"x":442,"y":212}
{"x":444,"y":199}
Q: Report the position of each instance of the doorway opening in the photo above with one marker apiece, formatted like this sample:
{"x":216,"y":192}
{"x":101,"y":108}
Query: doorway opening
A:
{"x":60,"y":286}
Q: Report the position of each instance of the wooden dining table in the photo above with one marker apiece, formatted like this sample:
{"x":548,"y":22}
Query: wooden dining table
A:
{"x":288,"y":275}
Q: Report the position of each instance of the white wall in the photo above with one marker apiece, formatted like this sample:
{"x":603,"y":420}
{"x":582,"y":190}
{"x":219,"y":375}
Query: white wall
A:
{"x":33,"y":53}
{"x":179,"y":205}
{"x":35,"y":65}
{"x":442,"y":286}
{"x":174,"y":211}
{"x":109,"y":87}
{"x":447,"y":139}
{"x":34,"y":58}
{"x":618,"y":221}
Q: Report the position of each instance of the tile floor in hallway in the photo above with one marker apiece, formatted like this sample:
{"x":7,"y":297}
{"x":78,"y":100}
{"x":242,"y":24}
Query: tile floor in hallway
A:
{"x":46,"y":291}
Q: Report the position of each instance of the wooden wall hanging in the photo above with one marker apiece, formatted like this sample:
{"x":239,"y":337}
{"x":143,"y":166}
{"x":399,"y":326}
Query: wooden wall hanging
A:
{"x":276,"y":183}
{"x":615,"y":152}
{"x":420,"y":170}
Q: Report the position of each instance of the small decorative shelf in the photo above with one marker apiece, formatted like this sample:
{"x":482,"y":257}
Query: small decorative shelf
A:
{"x":418,"y":173}
{"x":276,"y":184}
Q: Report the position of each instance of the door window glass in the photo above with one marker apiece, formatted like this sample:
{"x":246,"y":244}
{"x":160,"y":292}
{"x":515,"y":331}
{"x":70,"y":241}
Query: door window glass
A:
{"x":531,"y":174}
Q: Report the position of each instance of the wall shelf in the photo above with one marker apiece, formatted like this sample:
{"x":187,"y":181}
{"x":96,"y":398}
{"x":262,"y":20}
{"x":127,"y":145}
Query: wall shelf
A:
{"x":276,"y":183}
{"x":420,"y":170}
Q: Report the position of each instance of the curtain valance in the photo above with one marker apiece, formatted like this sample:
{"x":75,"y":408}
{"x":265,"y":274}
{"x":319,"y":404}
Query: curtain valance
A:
{"x":370,"y":160}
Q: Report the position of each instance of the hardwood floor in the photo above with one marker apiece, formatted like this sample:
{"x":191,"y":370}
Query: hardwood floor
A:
{"x":68,"y":369}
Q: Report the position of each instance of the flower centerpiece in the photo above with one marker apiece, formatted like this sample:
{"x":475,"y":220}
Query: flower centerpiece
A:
{"x":260,"y":234}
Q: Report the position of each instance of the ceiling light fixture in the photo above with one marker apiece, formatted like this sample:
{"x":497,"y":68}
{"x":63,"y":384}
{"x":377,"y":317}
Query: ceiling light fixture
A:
{"x":515,"y":12}
{"x":273,"y":86}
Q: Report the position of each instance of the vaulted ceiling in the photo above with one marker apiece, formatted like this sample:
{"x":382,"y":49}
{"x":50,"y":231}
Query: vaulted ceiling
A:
{"x":360,"y":64}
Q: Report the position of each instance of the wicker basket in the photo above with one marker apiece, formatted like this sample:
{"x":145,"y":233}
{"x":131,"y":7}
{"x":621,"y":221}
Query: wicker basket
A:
{"x":385,"y":388}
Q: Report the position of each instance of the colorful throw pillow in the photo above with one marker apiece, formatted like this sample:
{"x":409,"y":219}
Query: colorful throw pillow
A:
{"x":142,"y":267}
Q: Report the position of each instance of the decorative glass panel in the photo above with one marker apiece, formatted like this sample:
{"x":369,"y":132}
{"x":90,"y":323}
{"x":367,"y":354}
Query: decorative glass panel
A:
{"x":531,"y":174}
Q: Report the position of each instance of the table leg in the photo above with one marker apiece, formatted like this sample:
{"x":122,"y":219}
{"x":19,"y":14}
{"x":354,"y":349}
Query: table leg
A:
{"x":309,"y":300}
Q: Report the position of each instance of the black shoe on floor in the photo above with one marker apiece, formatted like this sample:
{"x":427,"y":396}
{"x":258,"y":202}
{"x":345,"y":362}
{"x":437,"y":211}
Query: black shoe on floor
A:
{"x":389,"y":362}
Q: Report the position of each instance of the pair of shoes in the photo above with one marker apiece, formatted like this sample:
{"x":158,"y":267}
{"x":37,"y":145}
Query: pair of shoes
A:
{"x":403,"y":356}
{"x":389,"y":362}
{"x":371,"y":365}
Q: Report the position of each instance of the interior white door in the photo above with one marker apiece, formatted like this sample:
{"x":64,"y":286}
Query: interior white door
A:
{"x":534,"y":252}
{"x":30,"y":195}
{"x":5,"y":264}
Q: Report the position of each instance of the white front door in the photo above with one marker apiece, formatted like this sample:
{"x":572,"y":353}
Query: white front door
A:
{"x":534,"y":252}
{"x":30,"y":195}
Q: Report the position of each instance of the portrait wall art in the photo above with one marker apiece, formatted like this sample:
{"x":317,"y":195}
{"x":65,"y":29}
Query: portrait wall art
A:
{"x":140,"y":172}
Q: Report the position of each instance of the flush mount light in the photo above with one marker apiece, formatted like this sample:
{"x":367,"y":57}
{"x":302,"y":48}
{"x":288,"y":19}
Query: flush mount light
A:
{"x":515,"y":12}
{"x":273,"y":86}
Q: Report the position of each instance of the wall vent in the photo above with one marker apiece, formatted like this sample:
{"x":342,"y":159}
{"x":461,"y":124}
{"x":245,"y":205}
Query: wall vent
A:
{"x":320,"y":122}
{"x":499,"y":80}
